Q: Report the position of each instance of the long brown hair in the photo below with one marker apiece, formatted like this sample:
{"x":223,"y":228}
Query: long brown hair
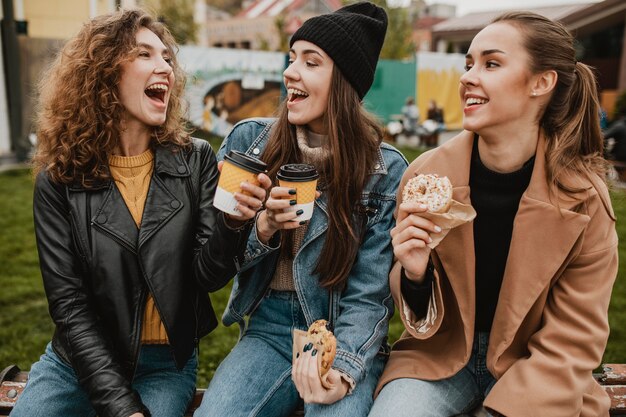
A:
{"x":570,"y":121}
{"x":353,"y":139}
{"x":80,"y":113}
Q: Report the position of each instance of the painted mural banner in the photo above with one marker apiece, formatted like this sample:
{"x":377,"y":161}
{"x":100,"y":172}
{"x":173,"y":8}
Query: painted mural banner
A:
{"x":438,"y":76}
{"x":229,"y":85}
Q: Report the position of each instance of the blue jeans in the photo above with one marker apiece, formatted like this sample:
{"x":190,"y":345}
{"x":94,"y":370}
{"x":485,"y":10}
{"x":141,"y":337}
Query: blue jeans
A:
{"x":255,"y":378}
{"x":53,"y":389}
{"x":453,"y":396}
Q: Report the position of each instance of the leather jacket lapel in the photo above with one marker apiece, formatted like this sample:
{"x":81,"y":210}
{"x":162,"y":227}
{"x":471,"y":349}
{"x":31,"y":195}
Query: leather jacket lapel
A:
{"x":114,"y":219}
{"x":161,"y":205}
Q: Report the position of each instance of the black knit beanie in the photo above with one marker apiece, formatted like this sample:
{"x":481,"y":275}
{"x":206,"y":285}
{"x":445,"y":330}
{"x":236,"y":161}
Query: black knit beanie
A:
{"x":352,"y":36}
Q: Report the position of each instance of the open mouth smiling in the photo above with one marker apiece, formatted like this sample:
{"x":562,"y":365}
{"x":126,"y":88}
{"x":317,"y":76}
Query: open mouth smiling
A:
{"x":157,"y":92}
{"x":295,"y":94}
{"x":472,"y":101}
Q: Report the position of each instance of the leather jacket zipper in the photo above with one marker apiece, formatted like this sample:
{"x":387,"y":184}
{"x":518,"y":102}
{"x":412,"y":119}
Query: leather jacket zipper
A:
{"x":137,"y":341}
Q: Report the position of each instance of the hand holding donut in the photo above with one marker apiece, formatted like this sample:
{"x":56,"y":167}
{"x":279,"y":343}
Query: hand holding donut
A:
{"x":411,"y":235}
{"x":306,"y":378}
{"x":312,"y":374}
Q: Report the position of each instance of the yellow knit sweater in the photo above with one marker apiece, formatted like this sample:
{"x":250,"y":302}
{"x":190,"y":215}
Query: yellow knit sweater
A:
{"x":132,"y":176}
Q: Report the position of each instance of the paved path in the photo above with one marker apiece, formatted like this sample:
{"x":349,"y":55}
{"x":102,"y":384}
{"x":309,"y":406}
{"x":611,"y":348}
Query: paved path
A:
{"x":448,"y":134}
{"x":11,"y":166}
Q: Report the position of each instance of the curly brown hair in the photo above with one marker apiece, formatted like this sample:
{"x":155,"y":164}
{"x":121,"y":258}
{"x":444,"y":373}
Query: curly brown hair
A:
{"x":80,"y":113}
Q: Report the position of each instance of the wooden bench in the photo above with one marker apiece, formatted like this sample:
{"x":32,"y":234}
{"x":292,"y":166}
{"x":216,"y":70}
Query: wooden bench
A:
{"x":612,"y":379}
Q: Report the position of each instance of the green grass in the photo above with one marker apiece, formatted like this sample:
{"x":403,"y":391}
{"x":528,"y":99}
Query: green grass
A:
{"x":26,"y":328}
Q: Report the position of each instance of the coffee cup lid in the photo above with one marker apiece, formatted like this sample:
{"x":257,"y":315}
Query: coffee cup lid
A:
{"x":245,"y":161}
{"x":297,"y":173}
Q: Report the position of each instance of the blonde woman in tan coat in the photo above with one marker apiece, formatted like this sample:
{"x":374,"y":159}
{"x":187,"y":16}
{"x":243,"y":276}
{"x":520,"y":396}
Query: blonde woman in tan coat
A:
{"x":511,"y":309}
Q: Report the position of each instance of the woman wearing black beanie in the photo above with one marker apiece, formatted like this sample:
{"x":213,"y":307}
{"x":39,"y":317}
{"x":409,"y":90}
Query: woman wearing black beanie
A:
{"x":296,"y":272}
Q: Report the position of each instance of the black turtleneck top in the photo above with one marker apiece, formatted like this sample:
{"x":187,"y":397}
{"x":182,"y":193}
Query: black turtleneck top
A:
{"x":495,"y":197}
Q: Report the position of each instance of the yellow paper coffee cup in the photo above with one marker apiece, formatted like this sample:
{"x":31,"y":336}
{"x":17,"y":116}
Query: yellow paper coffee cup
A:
{"x":238,"y":167}
{"x":302,"y":178}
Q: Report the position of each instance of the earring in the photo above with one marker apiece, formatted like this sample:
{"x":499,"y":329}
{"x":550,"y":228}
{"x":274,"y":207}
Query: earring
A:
{"x":534,"y":94}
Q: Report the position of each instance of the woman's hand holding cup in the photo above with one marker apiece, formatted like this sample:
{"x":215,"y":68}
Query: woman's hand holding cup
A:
{"x":289,"y":205}
{"x":242,"y":187}
{"x":250,"y":199}
{"x":275,"y":217}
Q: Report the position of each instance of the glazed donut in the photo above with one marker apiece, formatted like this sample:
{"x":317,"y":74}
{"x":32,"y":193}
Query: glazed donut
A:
{"x":324,"y":341}
{"x":431,"y":190}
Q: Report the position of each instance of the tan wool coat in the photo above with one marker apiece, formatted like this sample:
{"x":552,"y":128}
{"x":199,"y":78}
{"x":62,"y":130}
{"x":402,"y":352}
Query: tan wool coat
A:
{"x":551,"y":323}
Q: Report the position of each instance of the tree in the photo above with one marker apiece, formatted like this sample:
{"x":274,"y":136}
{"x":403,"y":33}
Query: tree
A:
{"x":280,"y":23}
{"x":230,"y":6}
{"x":178,"y":16}
{"x":398,"y":43}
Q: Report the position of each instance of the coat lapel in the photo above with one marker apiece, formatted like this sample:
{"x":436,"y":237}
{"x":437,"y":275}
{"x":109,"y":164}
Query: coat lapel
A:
{"x":544,"y":234}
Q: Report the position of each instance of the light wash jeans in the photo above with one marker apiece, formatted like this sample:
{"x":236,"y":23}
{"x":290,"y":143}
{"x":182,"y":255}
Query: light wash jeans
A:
{"x":255,"y":378}
{"x":53,"y":389}
{"x":454,"y":396}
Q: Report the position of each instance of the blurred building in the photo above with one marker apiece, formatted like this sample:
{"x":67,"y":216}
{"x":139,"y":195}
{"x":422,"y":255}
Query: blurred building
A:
{"x":598,"y":28}
{"x":60,"y":19}
{"x":5,"y":137}
{"x":423,"y":17}
{"x":263,"y":24}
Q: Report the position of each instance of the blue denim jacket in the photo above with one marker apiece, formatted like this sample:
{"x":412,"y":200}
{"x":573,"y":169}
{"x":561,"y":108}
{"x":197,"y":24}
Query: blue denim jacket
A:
{"x":361,"y":312}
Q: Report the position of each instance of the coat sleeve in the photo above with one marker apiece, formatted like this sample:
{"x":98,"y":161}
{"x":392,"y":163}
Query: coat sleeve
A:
{"x":77,"y":324}
{"x":422,"y":327}
{"x":219,"y":248}
{"x":562,"y":354}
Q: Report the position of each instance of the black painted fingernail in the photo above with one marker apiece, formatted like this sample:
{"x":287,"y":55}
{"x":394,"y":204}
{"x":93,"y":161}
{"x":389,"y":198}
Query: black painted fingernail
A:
{"x":314,"y":352}
{"x":299,"y":212}
{"x":307,"y":347}
{"x":293,"y":202}
{"x":302,"y":222}
{"x":297,"y":355}
{"x":292,"y":191}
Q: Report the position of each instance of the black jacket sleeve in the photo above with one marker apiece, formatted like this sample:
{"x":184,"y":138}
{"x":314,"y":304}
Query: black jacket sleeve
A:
{"x":219,"y":248}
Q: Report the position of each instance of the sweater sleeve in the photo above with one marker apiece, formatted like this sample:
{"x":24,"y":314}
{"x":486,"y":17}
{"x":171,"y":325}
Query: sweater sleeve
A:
{"x":417,"y":295}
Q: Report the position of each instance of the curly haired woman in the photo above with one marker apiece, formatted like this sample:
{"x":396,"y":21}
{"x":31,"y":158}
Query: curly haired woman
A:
{"x":129,"y":241}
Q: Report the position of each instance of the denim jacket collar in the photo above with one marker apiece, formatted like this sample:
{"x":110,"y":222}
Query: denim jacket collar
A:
{"x":256,"y":149}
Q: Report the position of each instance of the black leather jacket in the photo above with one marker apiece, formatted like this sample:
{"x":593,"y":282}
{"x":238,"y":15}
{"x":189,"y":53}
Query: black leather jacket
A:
{"x":97,"y":269}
